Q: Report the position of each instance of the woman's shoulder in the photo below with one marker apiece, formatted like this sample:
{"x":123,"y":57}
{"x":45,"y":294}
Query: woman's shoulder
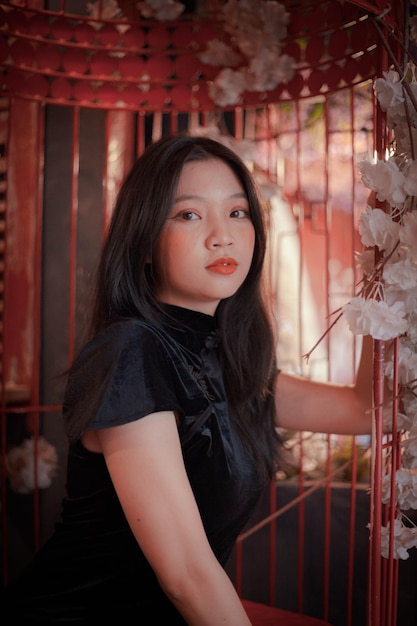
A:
{"x":122,"y":336}
{"x":118,"y":357}
{"x":130,"y":329}
{"x":126,"y":370}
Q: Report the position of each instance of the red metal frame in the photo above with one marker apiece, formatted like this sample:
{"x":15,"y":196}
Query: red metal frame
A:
{"x":27,"y":99}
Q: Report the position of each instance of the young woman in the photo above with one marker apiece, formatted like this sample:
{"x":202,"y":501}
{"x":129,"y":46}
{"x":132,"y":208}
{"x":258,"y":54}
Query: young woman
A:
{"x":172,"y":405}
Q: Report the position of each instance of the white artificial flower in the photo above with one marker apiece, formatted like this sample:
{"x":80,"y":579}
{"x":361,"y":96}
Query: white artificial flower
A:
{"x":409,"y":454}
{"x":395,"y":181}
{"x":285,"y":68}
{"x":405,"y":420}
{"x":20,"y":465}
{"x":404,"y":538}
{"x":275,"y":19}
{"x":387,"y":417}
{"x":386,"y":488}
{"x":220,"y":54}
{"x":406,"y":139}
{"x":402,"y":273}
{"x":231,"y":11}
{"x":407,"y":363}
{"x":408,"y":232}
{"x":406,"y":486}
{"x":254,"y":27}
{"x":377,"y":228}
{"x":410,"y":175}
{"x":389,"y":90}
{"x":211,"y":130}
{"x":403,"y":113}
{"x":250,"y":41}
{"x":408,"y":298}
{"x":386,"y":179}
{"x":256,"y":31}
{"x":266,"y":70}
{"x":408,"y":457}
{"x":412,"y":330}
{"x":367,"y":316}
{"x":162,"y":10}
{"x":107,"y":9}
{"x":227,"y":87}
{"x":410,"y":408}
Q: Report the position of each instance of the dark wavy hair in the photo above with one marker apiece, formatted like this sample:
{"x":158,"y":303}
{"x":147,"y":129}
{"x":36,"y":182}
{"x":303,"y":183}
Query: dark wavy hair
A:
{"x":125,"y":288}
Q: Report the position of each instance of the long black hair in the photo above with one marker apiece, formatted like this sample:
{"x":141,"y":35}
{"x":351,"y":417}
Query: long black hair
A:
{"x":125,"y":287}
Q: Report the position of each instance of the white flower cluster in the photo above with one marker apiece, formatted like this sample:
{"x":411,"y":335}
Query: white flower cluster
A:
{"x":391,"y":310}
{"x":108,"y":9}
{"x":20,"y":465}
{"x":405,"y":537}
{"x":256,"y":30}
{"x":405,"y":488}
{"x":161,"y":10}
{"x":386,"y":308}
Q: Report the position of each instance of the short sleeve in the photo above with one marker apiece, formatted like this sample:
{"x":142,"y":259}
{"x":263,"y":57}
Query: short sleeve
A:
{"x":122,"y":375}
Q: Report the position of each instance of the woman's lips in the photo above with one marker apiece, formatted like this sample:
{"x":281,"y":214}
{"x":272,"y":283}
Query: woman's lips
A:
{"x":223,"y":266}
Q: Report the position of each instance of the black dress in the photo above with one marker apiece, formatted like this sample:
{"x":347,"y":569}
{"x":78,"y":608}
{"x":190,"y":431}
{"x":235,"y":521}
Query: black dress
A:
{"x":92,"y":568}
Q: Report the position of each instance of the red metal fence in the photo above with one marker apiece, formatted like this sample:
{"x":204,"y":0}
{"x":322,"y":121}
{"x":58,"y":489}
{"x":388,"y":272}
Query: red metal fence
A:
{"x":74,"y":115}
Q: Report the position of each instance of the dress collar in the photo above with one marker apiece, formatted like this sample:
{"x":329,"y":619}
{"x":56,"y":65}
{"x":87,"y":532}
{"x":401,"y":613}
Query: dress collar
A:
{"x":192,"y":329}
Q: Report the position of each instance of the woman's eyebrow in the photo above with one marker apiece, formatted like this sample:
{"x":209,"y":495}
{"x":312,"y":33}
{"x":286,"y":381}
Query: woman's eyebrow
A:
{"x":238,"y":195}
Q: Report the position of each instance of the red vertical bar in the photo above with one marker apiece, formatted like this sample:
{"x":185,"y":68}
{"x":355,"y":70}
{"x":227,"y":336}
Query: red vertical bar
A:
{"x":326,"y":533}
{"x":272,"y":542}
{"x":22,"y":186}
{"x":23,"y":263}
{"x":327,"y":501}
{"x":73,"y":232}
{"x":301,"y":532}
{"x":375,"y":580}
{"x":119,"y":154}
{"x":354,"y":450}
{"x":238,"y":130}
{"x":239,"y":123}
{"x":173,"y":121}
{"x":376,"y":515}
{"x":301,"y":506}
{"x":392,"y":566}
{"x":22,"y":257}
{"x":351,"y":548}
{"x":4,"y":135}
{"x":107,"y":204}
{"x":37,"y":277}
{"x":140,"y":133}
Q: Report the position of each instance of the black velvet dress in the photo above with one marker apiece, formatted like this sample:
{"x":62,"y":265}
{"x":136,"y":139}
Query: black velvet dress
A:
{"x":92,"y":570}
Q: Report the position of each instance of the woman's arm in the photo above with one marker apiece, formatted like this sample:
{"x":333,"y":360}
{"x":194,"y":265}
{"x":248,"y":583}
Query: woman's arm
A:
{"x":145,"y":462}
{"x":303,"y":404}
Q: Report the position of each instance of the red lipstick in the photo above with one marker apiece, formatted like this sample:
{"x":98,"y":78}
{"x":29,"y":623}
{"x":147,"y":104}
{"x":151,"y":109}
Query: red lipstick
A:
{"x":225,"y":265}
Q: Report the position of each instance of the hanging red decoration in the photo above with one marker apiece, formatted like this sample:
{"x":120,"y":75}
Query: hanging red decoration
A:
{"x":110,"y":61}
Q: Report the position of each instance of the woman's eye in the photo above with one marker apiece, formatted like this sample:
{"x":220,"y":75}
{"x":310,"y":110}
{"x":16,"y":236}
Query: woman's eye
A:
{"x":185,"y":216}
{"x":240,"y":213}
{"x":188,"y":215}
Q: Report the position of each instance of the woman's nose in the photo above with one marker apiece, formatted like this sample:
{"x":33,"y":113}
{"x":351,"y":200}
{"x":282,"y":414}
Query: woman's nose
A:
{"x":220,"y":236}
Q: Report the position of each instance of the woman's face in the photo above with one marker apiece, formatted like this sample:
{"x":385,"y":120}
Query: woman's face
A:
{"x":206,"y":246}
